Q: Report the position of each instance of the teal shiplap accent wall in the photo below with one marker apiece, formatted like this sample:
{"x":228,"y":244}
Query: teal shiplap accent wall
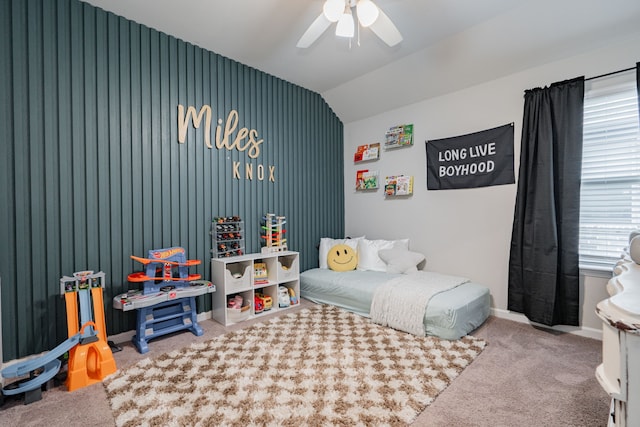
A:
{"x":92,"y":172}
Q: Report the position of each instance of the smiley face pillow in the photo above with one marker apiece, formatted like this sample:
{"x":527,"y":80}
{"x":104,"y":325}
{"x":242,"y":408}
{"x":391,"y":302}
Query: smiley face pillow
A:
{"x":342,"y":258}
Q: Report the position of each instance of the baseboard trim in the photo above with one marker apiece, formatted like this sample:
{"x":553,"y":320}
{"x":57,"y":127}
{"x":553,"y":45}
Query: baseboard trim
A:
{"x":118,"y":338}
{"x":497,"y":312}
{"x":582,"y":331}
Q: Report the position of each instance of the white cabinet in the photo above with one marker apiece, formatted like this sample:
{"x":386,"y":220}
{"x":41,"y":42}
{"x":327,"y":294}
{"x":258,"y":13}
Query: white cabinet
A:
{"x":237,"y":276}
{"x":619,"y":373}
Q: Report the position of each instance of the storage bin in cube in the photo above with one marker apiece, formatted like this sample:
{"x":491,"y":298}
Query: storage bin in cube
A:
{"x":235,"y":315}
{"x":238,"y":277}
{"x":288,"y":268}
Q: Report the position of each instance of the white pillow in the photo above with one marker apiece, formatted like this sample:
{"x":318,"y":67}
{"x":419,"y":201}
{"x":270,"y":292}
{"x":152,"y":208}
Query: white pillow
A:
{"x":401,"y":261}
{"x":368,"y":259}
{"x":326,"y":243}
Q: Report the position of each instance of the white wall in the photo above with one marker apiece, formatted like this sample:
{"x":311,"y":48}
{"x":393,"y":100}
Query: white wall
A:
{"x":464,"y":232}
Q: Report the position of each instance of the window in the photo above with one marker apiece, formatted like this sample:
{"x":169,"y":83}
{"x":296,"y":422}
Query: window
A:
{"x":610,"y":192}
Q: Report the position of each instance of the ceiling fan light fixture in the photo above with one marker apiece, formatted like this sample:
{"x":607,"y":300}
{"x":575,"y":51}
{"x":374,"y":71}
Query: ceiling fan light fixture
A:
{"x":367,"y":12}
{"x":333,"y":9}
{"x":341,"y":11}
{"x":345,"y":27}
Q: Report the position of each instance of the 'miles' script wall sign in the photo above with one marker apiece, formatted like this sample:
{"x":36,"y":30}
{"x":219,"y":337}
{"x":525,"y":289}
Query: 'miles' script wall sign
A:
{"x":243,"y":140}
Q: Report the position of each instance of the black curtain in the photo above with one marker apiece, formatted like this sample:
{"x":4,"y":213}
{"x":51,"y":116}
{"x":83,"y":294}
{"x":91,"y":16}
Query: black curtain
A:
{"x":638,"y":83}
{"x":543,"y":264}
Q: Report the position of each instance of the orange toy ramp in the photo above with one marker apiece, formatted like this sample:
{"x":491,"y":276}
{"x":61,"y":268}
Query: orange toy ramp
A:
{"x":88,"y":364}
{"x":91,"y":360}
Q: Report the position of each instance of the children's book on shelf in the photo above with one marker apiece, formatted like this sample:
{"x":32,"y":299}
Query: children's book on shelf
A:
{"x":398,"y":185}
{"x":367,"y":152}
{"x":366,"y":179}
{"x":399,"y":136}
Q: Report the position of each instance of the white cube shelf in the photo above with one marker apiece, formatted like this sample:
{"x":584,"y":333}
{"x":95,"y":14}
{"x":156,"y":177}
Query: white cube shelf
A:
{"x":236,"y":276}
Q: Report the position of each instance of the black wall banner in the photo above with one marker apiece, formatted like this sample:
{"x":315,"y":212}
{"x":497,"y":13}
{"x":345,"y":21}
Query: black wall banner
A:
{"x":478,"y":159}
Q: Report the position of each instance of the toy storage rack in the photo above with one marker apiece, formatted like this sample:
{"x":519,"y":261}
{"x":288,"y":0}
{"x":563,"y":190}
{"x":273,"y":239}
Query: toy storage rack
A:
{"x":223,"y":244}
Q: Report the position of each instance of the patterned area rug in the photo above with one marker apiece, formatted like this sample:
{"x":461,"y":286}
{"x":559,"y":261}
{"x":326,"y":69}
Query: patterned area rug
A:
{"x":317,"y":366}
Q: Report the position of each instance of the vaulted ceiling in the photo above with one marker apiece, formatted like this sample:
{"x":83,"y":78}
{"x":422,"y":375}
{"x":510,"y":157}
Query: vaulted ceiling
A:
{"x":448,"y":44}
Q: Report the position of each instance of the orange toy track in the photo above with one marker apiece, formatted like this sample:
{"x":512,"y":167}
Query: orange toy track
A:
{"x":146,"y":261}
{"x":142,"y":277}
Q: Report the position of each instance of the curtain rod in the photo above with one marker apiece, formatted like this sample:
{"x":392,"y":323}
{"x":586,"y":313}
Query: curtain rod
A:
{"x":610,"y":74}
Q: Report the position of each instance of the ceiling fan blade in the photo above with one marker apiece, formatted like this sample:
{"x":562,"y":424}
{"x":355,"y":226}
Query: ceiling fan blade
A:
{"x":384,"y":28}
{"x":314,"y":31}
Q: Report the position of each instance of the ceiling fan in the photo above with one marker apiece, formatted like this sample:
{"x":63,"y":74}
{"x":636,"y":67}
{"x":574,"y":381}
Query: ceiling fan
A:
{"x":341,"y":11}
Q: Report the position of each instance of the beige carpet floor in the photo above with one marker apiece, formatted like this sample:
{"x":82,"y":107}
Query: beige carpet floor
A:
{"x":524,"y":377}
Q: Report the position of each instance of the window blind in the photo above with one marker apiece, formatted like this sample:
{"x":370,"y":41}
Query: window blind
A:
{"x":610,"y":189}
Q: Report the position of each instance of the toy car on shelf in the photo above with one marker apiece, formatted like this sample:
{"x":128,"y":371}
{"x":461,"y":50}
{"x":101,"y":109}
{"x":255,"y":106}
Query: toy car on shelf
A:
{"x":283,"y":297}
{"x":258,"y":306}
{"x":267,"y":301}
